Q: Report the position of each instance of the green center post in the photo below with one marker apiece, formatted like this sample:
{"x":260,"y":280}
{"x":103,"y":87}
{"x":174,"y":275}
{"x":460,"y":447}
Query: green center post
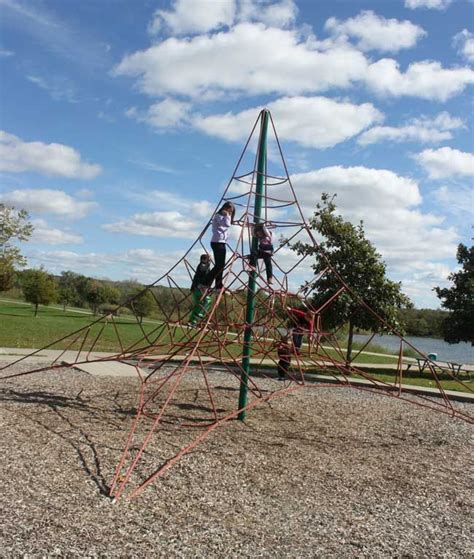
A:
{"x":249,"y":315}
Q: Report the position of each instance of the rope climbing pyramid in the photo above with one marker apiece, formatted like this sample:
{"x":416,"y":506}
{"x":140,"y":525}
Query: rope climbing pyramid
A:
{"x":258,"y":319}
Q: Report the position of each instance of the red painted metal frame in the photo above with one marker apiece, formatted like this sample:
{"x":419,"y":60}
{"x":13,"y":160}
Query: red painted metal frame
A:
{"x":168,"y":354}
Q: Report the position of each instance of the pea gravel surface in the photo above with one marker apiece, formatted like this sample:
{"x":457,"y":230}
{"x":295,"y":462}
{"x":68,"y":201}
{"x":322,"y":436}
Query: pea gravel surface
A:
{"x":325,"y":472}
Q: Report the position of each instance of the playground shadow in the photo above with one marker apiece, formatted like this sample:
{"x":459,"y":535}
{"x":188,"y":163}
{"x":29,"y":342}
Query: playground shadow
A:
{"x":71,"y":412}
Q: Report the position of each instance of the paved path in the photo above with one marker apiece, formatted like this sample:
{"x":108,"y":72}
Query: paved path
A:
{"x":101,"y":366}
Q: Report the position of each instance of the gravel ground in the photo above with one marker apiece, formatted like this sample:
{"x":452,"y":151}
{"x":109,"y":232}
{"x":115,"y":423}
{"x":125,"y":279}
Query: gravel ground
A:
{"x":328,"y":472}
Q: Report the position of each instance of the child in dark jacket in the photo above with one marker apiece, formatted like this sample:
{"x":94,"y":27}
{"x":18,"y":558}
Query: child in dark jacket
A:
{"x":284,"y":357}
{"x":201,"y":300}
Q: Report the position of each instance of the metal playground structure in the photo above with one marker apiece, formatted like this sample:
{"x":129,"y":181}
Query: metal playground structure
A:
{"x":238,"y":332}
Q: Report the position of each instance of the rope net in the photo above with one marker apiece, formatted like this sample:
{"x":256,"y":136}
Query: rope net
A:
{"x":165,"y":353}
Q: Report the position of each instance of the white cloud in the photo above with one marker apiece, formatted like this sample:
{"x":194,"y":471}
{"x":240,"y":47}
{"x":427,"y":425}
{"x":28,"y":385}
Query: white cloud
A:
{"x":151,"y":166}
{"x":156,"y":224}
{"x":359,"y":186}
{"x":250,"y":58}
{"x":144,"y":265}
{"x":49,"y":159}
{"x":269,"y":12}
{"x":45,"y":234}
{"x":5,"y":53}
{"x":426,"y":79}
{"x":317,"y":122}
{"x":168,"y":200}
{"x":194,"y":16}
{"x":458,"y":200}
{"x":446,"y":162}
{"x":55,"y":35}
{"x":464,"y":42}
{"x":45,"y":200}
{"x":431,"y":4}
{"x":377,"y":32}
{"x":168,"y":113}
{"x":60,"y":89}
{"x":420,"y":278}
{"x":188,"y":17}
{"x":423,"y":129}
{"x":409,"y":240}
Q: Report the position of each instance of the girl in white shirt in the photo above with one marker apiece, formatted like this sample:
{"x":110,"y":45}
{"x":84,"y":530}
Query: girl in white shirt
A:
{"x":221,"y":222}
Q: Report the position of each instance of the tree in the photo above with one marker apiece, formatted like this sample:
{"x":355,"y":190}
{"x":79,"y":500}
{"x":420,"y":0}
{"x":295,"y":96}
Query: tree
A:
{"x":458,"y":326}
{"x":112,"y":294}
{"x":14,"y":224}
{"x":96,"y":295}
{"x":39,"y":287}
{"x":360,"y":266}
{"x":67,"y":294}
{"x":143,"y":305}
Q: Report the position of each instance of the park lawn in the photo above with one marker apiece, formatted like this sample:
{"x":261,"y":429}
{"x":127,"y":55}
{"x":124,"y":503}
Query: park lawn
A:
{"x":422,"y":380}
{"x":19,"y":328}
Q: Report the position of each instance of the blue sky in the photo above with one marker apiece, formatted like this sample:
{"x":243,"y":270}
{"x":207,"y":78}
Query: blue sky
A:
{"x":121,"y":123}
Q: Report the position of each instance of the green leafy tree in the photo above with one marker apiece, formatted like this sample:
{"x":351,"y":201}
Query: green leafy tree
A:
{"x":67,"y":292}
{"x":112,"y":294}
{"x":360,"y":266}
{"x":96,"y":295}
{"x":39,"y":288}
{"x":143,"y":305}
{"x":82,"y":285}
{"x":14,"y":224}
{"x":458,"y":326}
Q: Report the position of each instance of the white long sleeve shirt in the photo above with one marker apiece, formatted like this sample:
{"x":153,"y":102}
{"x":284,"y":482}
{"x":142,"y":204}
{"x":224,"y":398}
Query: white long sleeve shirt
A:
{"x":220,"y":227}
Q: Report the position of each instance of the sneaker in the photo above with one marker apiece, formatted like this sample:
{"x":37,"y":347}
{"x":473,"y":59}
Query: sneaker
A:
{"x":281,"y":378}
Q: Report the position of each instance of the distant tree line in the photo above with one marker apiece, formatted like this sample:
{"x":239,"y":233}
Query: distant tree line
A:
{"x":101,"y":296}
{"x":423,"y":322}
{"x":355,"y":258}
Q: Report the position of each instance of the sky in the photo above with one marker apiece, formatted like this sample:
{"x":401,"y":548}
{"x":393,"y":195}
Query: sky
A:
{"x":122,"y":120}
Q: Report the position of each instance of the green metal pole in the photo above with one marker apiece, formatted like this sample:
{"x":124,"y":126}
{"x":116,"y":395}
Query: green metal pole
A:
{"x":259,"y":195}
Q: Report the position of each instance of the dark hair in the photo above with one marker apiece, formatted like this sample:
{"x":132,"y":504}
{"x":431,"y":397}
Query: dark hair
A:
{"x":258,"y":228}
{"x":204,"y":257}
{"x":228,"y":206}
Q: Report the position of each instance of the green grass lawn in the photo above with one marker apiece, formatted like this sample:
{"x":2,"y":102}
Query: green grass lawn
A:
{"x":421,"y":380}
{"x":19,"y":328}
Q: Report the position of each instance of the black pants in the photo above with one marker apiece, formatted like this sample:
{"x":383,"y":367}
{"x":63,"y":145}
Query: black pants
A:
{"x":297,"y":339}
{"x":219,"y":263}
{"x":283,"y":367}
{"x":267,"y":259}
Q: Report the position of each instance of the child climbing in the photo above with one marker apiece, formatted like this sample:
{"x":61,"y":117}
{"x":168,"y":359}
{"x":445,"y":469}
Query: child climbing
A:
{"x":221,"y":222}
{"x":201,"y":300}
{"x":264,"y":249}
{"x":302,"y":321}
{"x":284,"y":357}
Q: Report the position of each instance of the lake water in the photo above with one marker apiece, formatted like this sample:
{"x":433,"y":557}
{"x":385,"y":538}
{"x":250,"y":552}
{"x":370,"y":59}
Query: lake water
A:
{"x":458,"y":353}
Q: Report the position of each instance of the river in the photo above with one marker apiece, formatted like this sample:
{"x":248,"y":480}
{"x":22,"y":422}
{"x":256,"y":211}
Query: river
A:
{"x":458,"y":353}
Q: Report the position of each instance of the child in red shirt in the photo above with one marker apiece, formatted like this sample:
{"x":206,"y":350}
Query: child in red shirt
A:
{"x":302,"y":321}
